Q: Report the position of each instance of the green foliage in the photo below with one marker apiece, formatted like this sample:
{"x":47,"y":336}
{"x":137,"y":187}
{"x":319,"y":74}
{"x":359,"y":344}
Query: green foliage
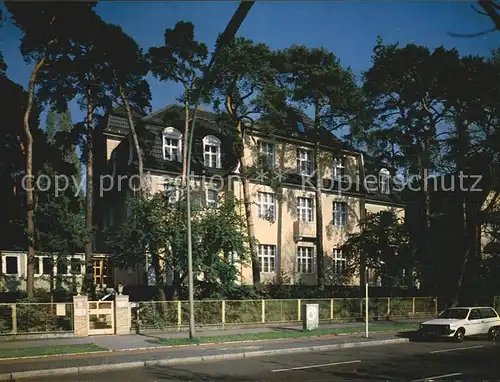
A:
{"x":386,"y":245}
{"x":181,"y":59}
{"x":158,"y":226}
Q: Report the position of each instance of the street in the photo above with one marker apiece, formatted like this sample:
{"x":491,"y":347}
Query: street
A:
{"x":470,"y":360}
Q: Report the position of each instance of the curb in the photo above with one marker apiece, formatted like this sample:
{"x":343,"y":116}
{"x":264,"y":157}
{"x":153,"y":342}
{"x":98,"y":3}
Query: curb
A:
{"x":199,"y":359}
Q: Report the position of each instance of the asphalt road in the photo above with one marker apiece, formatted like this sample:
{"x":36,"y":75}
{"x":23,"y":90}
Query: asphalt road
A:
{"x":470,"y":360}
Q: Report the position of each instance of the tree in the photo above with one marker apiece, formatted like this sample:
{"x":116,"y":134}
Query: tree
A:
{"x":242,"y":76}
{"x":45,"y":31}
{"x":157,"y":232}
{"x":129,"y":67}
{"x":182,"y":60}
{"x":386,"y":246}
{"x":3,"y":65}
{"x":61,"y":122}
{"x":317,"y":80}
{"x":404,"y":96}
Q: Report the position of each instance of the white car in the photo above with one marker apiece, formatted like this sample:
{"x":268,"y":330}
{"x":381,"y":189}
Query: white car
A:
{"x":461,"y":322}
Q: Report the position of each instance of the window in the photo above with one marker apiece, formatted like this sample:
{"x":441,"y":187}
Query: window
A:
{"x":305,"y":209}
{"x":474,"y":314}
{"x":267,"y":203}
{"x":305,"y":256}
{"x":172,"y":146}
{"x":212,"y":197}
{"x":12,"y":265}
{"x":339,"y":261}
{"x":70,"y":266}
{"x":487,"y":313}
{"x":172,"y":191}
{"x":338,"y":168}
{"x":266,"y":258}
{"x":266,"y":149}
{"x":43,"y":265}
{"x":339,"y":214}
{"x":304,"y":162}
{"x":383,"y":181}
{"x":211,"y":150}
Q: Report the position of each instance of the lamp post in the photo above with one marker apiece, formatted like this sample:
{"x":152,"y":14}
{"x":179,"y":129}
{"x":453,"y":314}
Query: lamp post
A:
{"x":366,"y":301}
{"x":224,"y":39}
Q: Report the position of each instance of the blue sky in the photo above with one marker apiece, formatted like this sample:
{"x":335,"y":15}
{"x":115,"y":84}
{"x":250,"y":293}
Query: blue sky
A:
{"x":349,"y":29}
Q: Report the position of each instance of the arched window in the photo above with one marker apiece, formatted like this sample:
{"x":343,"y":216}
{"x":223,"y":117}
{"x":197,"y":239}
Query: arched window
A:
{"x":384,"y":177}
{"x":211,"y":151}
{"x":172,"y":144}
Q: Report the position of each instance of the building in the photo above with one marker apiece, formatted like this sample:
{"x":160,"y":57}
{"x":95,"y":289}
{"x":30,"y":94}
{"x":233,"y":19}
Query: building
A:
{"x":285,"y":228}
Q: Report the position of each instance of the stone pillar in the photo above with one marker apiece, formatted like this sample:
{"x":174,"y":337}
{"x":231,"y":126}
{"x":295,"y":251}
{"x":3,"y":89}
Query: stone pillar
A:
{"x":80,"y":316}
{"x":122,"y":314}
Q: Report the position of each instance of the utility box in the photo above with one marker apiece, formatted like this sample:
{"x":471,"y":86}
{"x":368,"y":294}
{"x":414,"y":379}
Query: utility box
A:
{"x":310,"y":316}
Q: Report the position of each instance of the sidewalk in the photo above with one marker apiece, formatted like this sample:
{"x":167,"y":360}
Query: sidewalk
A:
{"x":144,"y":341}
{"x":15,"y":369}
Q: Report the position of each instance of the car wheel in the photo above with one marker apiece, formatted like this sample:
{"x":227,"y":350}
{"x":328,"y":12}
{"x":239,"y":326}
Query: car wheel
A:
{"x":494,"y":333}
{"x":460,"y":335}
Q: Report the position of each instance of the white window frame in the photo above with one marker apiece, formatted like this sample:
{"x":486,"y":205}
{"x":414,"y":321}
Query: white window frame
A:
{"x":68,"y":266}
{"x":4,"y":264}
{"x":267,"y":205}
{"x":211,"y":201}
{"x":305,"y":259}
{"x":175,"y":196}
{"x":338,"y":257}
{"x":339,"y":214}
{"x":211,"y":141}
{"x":268,"y":149}
{"x":267,"y":251}
{"x":339,"y":166}
{"x":384,"y":177}
{"x":305,"y":163}
{"x":305,"y":212}
{"x":172,"y":134}
{"x":40,"y":266}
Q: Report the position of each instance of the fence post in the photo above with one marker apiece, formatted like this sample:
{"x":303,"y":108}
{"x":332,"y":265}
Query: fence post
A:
{"x":436,"y":306}
{"x":331,"y":309}
{"x":223,"y":309}
{"x":263,"y":311}
{"x":14,"y":318}
{"x":388,"y":307}
{"x":299,"y":313}
{"x":179,"y":314}
{"x":413,"y":307}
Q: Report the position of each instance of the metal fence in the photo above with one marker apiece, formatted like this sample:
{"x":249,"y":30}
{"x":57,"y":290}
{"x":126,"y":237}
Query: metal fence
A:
{"x":29,"y":318}
{"x":159,"y":315}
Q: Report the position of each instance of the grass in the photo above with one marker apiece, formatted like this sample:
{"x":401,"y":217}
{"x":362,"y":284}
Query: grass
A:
{"x":283,"y":334}
{"x":50,"y":350}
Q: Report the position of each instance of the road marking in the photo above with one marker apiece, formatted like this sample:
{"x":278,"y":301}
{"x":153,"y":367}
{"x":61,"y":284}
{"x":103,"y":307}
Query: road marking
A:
{"x":312,"y":366}
{"x":448,"y":350}
{"x":429,"y":379}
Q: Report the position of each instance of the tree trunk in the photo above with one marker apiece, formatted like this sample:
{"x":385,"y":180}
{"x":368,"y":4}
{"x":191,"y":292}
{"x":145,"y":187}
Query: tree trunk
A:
{"x":131,"y":125}
{"x":320,"y":263}
{"x":247,"y":200}
{"x":185,"y":143}
{"x":30,"y":273}
{"x":320,"y":258}
{"x":89,"y":282}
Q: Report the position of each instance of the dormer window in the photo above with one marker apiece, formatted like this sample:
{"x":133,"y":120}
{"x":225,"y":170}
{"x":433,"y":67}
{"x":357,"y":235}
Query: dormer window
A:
{"x":211,"y":151}
{"x":266,"y":150}
{"x":384,"y":177}
{"x":338,"y":168}
{"x":172,"y":144}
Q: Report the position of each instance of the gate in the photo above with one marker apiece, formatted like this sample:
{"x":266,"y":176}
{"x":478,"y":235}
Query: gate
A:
{"x":101,"y":317}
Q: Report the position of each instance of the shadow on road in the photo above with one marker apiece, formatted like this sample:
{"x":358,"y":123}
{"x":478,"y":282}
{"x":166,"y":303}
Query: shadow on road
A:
{"x":177,"y":374}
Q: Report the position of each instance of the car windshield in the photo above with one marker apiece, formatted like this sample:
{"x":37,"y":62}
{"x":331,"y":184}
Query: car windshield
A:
{"x":454,"y":313}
